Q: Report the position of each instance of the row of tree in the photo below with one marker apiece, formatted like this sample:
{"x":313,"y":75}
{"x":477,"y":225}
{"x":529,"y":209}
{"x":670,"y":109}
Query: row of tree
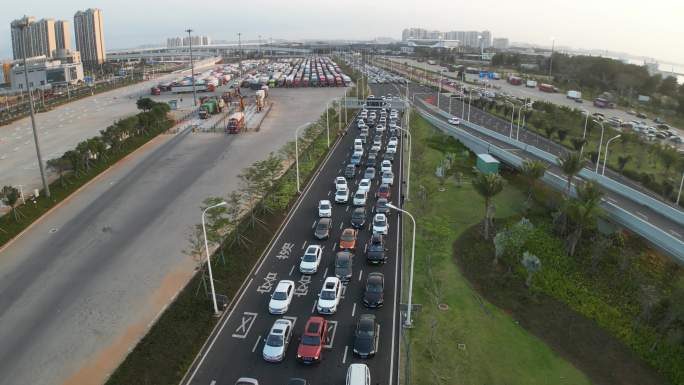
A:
{"x":112,"y":140}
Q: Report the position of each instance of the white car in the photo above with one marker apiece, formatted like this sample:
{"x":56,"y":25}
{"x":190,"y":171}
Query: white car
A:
{"x":380,"y":128}
{"x":375,"y":148}
{"x":386,"y":166}
{"x":281,"y":297}
{"x":342,"y":196}
{"x":454,"y":121}
{"x":393,"y":139}
{"x":324,"y":209}
{"x":329,"y":297}
{"x":388,"y":177}
{"x":277,"y":340}
{"x":391,"y":148}
{"x":340,"y":183}
{"x":360,"y":197}
{"x":364,"y":185}
{"x":311,"y":260}
{"x":380,"y":225}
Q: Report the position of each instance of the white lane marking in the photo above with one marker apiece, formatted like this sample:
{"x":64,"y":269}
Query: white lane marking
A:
{"x":246,"y":323}
{"x":347,"y":209}
{"x":332,"y":325}
{"x":676,"y":234}
{"x":292,"y":270}
{"x":341,"y":224}
{"x":313,"y":225}
{"x":329,"y":193}
{"x":334,"y":246}
{"x":313,"y":308}
{"x":344,"y":357}
{"x":642,"y":215}
{"x":325,"y":273}
{"x":213,"y":382}
{"x":354,"y":310}
{"x":256,"y":343}
{"x":339,"y":170}
{"x":377,"y":339}
{"x":304,"y":245}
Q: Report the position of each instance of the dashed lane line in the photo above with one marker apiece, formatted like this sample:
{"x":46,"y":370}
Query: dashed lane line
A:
{"x":256,"y":343}
{"x":344,"y":357}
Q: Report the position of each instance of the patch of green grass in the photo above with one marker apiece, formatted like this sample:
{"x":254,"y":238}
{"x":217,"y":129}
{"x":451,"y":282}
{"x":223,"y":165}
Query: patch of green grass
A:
{"x":472,"y":342}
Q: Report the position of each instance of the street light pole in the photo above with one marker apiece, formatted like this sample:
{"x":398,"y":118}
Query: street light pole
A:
{"x":598,"y":154}
{"x":605,"y":157}
{"x":192,"y":69}
{"x":24,"y":32}
{"x":439,"y":90}
{"x":470,"y":98}
{"x":681,"y":184}
{"x":408,"y":166}
{"x":206,"y":248}
{"x":553,"y":44}
{"x":584,"y":133}
{"x":510,"y":134}
{"x":297,"y":153}
{"x":408,"y":322}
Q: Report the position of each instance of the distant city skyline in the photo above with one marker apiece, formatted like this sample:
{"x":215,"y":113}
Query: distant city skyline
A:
{"x":616,"y":26}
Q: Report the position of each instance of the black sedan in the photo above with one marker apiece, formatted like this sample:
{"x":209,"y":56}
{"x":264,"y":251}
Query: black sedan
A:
{"x":374,"y":292}
{"x":322,"y":230}
{"x":375,"y":251}
{"x":358,"y":217}
{"x":381,"y":206}
{"x":366,"y":336}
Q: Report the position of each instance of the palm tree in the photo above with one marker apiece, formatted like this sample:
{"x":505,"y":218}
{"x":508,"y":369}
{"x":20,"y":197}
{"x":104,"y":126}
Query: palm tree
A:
{"x":59,"y":165}
{"x":488,"y":185}
{"x":531,"y":171}
{"x":571,"y":164}
{"x":578,"y":143}
{"x":582,"y":212}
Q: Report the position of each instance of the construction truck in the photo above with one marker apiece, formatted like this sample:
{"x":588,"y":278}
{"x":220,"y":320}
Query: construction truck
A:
{"x":236,"y":123}
{"x":208,"y":108}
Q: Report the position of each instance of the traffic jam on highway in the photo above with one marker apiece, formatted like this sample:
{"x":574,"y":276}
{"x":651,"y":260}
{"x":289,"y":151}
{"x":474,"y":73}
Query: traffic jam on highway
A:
{"x":321,"y":305}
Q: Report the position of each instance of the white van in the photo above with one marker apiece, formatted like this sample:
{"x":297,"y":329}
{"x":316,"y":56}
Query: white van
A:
{"x":358,"y":374}
{"x":358,"y":145}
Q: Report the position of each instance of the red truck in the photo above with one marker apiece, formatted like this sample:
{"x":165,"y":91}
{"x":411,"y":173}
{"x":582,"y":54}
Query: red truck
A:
{"x":543,"y":87}
{"x":236,"y":123}
{"x":155,"y":91}
{"x":514,"y":80}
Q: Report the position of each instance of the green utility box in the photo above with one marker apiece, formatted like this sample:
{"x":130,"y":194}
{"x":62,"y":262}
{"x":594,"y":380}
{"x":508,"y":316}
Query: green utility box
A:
{"x":487,"y":164}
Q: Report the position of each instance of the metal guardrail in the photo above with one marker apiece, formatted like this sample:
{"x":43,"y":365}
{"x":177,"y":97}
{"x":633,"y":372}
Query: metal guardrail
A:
{"x":609,"y":184}
{"x":658,"y":237}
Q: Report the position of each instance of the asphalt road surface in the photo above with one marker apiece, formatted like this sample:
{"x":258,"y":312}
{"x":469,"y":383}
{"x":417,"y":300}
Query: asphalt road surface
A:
{"x":81,"y":287}
{"x":63,"y":127}
{"x":489,"y":121}
{"x":236,"y":349}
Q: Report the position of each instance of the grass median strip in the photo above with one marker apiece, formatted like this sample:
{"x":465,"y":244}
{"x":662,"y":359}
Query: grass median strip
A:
{"x":469,"y":341}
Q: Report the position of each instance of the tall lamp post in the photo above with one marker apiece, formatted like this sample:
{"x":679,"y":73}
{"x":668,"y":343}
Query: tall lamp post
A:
{"x":584,"y":133}
{"x":297,"y":152}
{"x":409,"y":322}
{"x":605,"y":157}
{"x":598,"y":154}
{"x":408,"y":166}
{"x":24,"y":25}
{"x":206,"y":248}
{"x":510,"y":133}
{"x":192,"y":69}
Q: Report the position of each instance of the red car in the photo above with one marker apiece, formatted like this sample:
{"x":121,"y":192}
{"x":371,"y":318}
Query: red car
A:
{"x":384,"y":192}
{"x":312,"y":341}
{"x":348,"y":239}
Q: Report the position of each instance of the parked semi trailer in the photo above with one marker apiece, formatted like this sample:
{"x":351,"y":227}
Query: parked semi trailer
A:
{"x":236,"y":123}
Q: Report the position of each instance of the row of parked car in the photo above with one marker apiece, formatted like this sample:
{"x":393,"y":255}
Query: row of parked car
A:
{"x":312,"y":342}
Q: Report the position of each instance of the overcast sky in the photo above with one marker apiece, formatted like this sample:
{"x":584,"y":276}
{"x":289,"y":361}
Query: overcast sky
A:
{"x":644,"y":28}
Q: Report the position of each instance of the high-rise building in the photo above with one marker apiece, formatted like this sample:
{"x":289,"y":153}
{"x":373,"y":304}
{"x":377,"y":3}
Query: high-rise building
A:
{"x":173,"y":42}
{"x":89,"y":31}
{"x":485,"y":39}
{"x":63,"y":34}
{"x":500,"y":43}
{"x":40,"y":37}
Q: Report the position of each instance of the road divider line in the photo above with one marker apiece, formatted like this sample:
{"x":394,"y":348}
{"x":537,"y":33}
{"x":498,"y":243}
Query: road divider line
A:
{"x":313,"y":224}
{"x":354,"y":310}
{"x":344,"y":357}
{"x":325,"y":273}
{"x":292,"y":270}
{"x":256,"y":343}
{"x":313,"y":308}
{"x":360,"y":274}
{"x":341,"y":224}
{"x":304,"y":245}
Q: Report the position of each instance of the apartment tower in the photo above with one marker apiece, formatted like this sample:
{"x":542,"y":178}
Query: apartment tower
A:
{"x":88,"y":27}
